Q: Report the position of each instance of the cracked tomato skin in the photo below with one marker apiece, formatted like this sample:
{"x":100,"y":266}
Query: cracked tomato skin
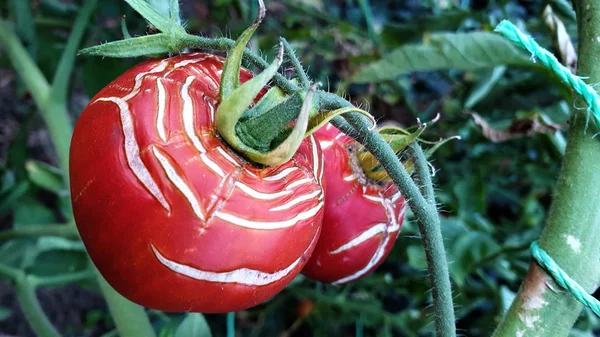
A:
{"x":172,"y":217}
{"x":361,"y":221}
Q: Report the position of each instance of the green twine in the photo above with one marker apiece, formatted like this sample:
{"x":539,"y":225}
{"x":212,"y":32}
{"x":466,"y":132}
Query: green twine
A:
{"x":231,"y":324}
{"x":562,"y":279}
{"x":589,"y":95}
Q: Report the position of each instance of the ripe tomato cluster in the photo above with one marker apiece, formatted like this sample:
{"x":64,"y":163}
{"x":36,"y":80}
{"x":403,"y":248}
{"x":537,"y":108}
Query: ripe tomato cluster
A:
{"x":175,"y":220}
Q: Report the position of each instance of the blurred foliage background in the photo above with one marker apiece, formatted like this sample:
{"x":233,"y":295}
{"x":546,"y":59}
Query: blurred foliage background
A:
{"x":404,"y":60}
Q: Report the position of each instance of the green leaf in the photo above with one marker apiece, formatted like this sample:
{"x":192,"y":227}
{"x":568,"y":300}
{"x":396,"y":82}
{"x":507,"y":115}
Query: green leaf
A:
{"x":193,"y":325}
{"x":24,"y":25}
{"x":461,"y":51}
{"x":154,"y":44}
{"x":59,"y":6}
{"x":416,"y":257}
{"x":230,"y":77}
{"x":160,"y":6}
{"x":7,"y":181}
{"x":50,"y":243}
{"x":174,"y":12}
{"x":45,"y":176}
{"x":5,"y":313}
{"x":53,"y":256}
{"x":153,"y":16}
{"x":62,"y":75}
{"x":13,"y":252}
{"x":30,"y":211}
{"x":11,"y":198}
{"x":484,"y":86}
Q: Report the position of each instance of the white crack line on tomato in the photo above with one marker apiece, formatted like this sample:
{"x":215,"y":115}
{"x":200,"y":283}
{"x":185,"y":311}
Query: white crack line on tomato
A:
{"x":210,"y":103}
{"x":179,"y":182}
{"x":185,"y":63}
{"x":296,"y":201}
{"x":325,"y":144}
{"x":160,"y":113}
{"x":261,"y":195}
{"x":132,"y":149}
{"x":188,"y":117}
{"x":265,"y":225}
{"x":299,"y":182}
{"x":281,"y":175}
{"x":315,"y":157}
{"x":368,"y":234}
{"x":350,"y":177}
{"x":245,"y":276}
{"x":227,"y":156}
{"x":212,"y":165}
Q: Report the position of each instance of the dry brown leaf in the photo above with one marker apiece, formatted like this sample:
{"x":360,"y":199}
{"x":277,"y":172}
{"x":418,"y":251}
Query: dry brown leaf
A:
{"x":521,"y":127}
{"x":562,"y":41}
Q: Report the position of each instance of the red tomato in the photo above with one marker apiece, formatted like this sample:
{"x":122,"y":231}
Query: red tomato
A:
{"x":172,"y":217}
{"x":362,"y":218}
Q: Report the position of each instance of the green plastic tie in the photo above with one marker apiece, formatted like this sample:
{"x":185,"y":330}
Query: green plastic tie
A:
{"x":547,"y":59}
{"x":562,"y":279}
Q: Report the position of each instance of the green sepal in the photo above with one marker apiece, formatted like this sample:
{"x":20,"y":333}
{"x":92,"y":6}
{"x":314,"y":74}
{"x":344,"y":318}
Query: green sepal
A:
{"x":154,"y":44}
{"x":286,"y":149}
{"x":379,"y":174}
{"x":322,"y":118}
{"x":283,"y":114}
{"x":230,"y":77}
{"x":124,"y":29}
{"x":439,"y":144}
{"x":302,"y":78}
{"x":272,"y":98}
{"x":399,"y":138}
{"x":236,"y":103}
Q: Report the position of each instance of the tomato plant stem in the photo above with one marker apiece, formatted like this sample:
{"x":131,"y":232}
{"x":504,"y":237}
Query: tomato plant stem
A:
{"x":30,"y":305}
{"x":426,"y":213}
{"x":25,"y":291}
{"x":131,"y":319}
{"x":66,"y":231}
{"x":423,"y":173}
{"x":298,"y":70}
{"x":572,"y":235}
{"x":198,"y":42}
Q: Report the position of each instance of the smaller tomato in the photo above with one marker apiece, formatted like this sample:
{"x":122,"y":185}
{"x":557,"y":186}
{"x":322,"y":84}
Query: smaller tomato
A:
{"x":362,"y":217}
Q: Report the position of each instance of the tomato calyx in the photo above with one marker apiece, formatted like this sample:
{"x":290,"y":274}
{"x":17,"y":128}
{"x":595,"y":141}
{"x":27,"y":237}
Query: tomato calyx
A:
{"x":270,"y":132}
{"x":236,"y":99}
{"x":399,"y":140}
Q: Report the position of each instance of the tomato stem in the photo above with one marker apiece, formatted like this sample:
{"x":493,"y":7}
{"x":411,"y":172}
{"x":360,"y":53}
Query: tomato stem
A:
{"x":357,"y":126}
{"x":30,"y":305}
{"x":298,"y":70}
{"x":66,"y":230}
{"x":572,"y":235}
{"x":224,"y":44}
{"x":423,"y":173}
